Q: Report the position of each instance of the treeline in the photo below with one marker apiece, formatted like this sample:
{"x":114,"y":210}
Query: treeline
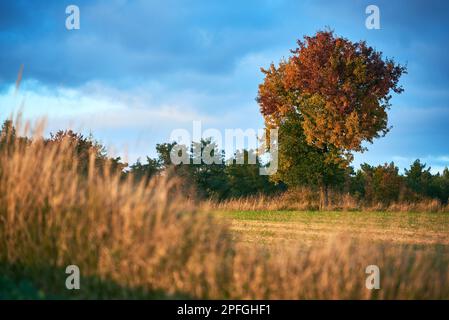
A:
{"x":228,"y":179}
{"x":370,"y":184}
{"x":384,"y":184}
{"x":223,"y":179}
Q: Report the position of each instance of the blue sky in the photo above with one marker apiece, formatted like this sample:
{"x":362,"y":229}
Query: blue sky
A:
{"x":136,"y":70}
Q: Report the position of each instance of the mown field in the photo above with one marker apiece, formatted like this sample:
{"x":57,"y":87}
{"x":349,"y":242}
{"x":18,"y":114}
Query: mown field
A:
{"x":307,"y":228}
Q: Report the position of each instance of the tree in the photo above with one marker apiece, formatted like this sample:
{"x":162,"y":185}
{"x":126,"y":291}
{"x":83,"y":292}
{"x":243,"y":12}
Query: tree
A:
{"x":7,"y":132}
{"x":163,"y":151}
{"x":218,"y":180}
{"x":145,"y":171}
{"x":420,"y":180}
{"x":382,"y":184}
{"x":243,"y":178}
{"x":84,"y":148}
{"x":9,"y":139}
{"x":444,"y":185}
{"x":440,"y":186}
{"x":209,"y":178}
{"x":340,"y":88}
{"x":206,"y":180}
{"x":301,"y":163}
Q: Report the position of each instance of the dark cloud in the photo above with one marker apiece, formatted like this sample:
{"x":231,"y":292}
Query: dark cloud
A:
{"x":135,"y":39}
{"x":121,"y":41}
{"x":198,"y":49}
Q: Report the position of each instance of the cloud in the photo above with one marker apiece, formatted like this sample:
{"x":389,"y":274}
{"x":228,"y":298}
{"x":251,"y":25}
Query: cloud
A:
{"x":136,"y":69}
{"x":133,"y":120}
{"x":98,"y":106}
{"x":121,"y":42}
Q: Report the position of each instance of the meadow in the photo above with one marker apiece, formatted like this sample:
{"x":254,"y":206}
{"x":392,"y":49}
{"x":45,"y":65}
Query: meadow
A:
{"x":310,"y":227}
{"x":148,"y":239}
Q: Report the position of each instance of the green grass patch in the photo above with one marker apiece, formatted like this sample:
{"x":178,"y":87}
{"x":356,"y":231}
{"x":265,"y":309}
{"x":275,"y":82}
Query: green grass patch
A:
{"x":403,"y":227}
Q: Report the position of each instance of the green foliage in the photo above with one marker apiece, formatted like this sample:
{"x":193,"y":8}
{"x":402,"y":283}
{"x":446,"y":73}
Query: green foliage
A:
{"x":9,"y":138}
{"x":210,"y":179}
{"x":147,"y":170}
{"x":163,"y":151}
{"x":384,"y":184}
{"x":218,"y":180}
{"x":421,"y":181}
{"x":245,"y":179}
{"x":443,"y":185}
{"x":85,"y":148}
{"x":301,"y":164}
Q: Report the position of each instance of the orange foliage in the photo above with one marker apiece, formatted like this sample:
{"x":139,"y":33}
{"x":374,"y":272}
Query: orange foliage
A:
{"x":341,"y":88}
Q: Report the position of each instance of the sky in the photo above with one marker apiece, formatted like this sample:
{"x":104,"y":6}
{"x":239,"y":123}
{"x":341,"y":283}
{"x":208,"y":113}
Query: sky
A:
{"x":137,"y":70}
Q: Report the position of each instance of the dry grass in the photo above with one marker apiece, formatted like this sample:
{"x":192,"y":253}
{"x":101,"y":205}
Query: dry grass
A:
{"x":305,"y":199}
{"x":148,"y":236}
{"x":336,"y":270}
{"x":134,"y":234}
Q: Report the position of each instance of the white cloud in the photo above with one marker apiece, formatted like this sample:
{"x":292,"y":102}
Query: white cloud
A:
{"x":97,"y":106}
{"x":130,"y":122}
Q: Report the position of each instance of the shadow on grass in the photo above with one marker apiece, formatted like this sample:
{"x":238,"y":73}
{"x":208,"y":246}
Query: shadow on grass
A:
{"x":38,"y":283}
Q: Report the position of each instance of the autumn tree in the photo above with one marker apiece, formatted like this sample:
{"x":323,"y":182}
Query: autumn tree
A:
{"x":341,"y":90}
{"x":382,"y":184}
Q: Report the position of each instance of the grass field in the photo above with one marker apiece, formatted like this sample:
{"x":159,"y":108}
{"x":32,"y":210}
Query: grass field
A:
{"x":307,"y":228}
{"x":146,"y":240}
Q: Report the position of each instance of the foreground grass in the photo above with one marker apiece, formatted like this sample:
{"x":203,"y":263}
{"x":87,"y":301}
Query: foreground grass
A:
{"x":20,"y":282}
{"x":306,"y":227}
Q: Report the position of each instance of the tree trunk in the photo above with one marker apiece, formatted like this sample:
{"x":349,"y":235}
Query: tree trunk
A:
{"x":324,"y":196}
